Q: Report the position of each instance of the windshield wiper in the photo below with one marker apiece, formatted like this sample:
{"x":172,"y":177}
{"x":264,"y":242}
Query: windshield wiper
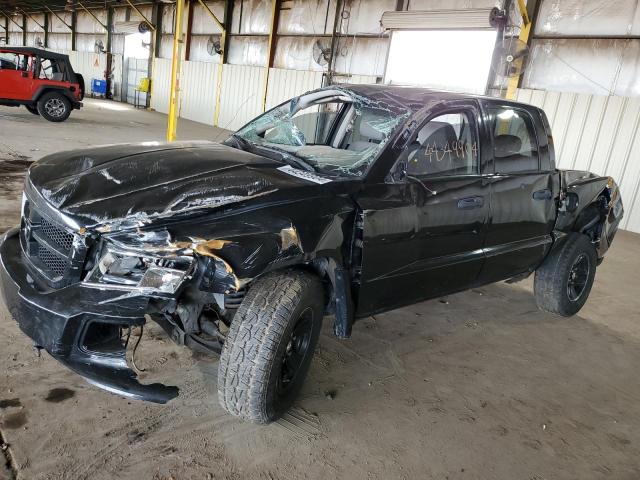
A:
{"x":285,"y":156}
{"x":241,"y":142}
{"x":265,"y":150}
{"x":296,"y":161}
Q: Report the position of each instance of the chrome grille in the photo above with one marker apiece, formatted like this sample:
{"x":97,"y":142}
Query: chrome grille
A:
{"x":55,"y":263}
{"x":59,"y":236}
{"x":54,"y":253}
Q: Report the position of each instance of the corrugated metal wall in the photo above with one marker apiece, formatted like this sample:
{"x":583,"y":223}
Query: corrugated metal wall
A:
{"x":241,"y":95}
{"x":160,"y":85}
{"x":242,"y":90}
{"x":596,"y":133}
{"x":91,"y":65}
{"x":284,"y":84}
{"x":198,"y":91}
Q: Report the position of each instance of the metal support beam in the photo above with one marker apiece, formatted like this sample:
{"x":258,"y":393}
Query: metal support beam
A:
{"x":109,"y":29}
{"x":74,"y":25}
{"x":228,"y":16}
{"x":6,"y":29}
{"x":228,"y":9}
{"x":107,"y":72}
{"x":33,"y":19}
{"x":46,"y":30}
{"x":9,"y":19}
{"x":273,"y":32}
{"x":525,"y":30}
{"x":24,"y":30}
{"x":58,"y":17}
{"x":149,"y":22}
{"x":337,"y":22}
{"x":94,"y":17}
{"x":212,"y":15}
{"x":157,"y":34}
{"x":172,"y":121}
{"x":187,"y":36}
{"x":153,"y":45}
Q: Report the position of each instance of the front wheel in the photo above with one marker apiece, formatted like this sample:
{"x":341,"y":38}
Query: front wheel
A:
{"x":268,"y":350}
{"x":54,"y":107}
{"x":563,"y":282}
{"x":33,"y":109}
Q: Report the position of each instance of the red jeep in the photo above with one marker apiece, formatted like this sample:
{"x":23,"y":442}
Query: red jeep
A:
{"x":42,"y":81}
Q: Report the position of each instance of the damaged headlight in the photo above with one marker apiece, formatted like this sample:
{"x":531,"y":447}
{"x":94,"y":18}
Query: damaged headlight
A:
{"x":136,"y":271}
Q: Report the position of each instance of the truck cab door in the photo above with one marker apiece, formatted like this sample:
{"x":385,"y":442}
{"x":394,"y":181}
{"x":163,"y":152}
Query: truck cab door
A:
{"x":524,"y":189}
{"x":423,"y":233}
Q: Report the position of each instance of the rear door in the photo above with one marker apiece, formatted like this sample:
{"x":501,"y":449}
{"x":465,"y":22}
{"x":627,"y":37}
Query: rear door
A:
{"x":423,"y":235}
{"x":523,"y":191}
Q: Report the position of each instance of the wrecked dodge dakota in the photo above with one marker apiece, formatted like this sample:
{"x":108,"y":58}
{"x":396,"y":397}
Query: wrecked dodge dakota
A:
{"x":346,"y":200}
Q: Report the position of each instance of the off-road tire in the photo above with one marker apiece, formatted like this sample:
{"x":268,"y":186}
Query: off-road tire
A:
{"x":45,"y":107}
{"x":33,"y":109}
{"x":552,"y":277}
{"x":251,"y":364}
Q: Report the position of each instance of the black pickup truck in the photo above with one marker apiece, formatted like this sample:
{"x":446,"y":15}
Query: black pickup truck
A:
{"x":346,"y":200}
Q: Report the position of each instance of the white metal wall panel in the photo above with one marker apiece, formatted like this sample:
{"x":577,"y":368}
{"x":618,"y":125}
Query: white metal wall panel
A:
{"x":241,"y":95}
{"x":284,"y":84}
{"x":198,"y":92}
{"x":59,"y":41}
{"x":15,"y":38}
{"x":89,"y":65}
{"x":597,"y":133}
{"x":160,"y":84}
{"x":58,"y":26}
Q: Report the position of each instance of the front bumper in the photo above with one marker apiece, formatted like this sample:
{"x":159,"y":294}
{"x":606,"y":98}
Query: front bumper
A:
{"x":79,"y":326}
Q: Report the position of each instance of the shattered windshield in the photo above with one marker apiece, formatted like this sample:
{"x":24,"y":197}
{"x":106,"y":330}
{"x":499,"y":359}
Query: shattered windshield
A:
{"x":333,"y":131}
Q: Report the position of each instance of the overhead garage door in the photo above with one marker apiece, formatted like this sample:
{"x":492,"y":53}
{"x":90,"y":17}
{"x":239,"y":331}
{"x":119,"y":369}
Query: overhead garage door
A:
{"x":443,"y":49}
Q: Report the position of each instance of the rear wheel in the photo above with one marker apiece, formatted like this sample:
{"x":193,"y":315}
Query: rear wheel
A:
{"x":269,"y":347}
{"x":33,"y":109}
{"x":563,"y":282}
{"x":54,"y":107}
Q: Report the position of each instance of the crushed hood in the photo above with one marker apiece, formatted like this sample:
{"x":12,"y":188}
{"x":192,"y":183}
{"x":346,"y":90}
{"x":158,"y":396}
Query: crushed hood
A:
{"x":134,"y":184}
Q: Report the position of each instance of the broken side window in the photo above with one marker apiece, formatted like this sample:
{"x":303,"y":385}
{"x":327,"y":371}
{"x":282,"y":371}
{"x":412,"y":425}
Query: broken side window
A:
{"x":333,"y":130}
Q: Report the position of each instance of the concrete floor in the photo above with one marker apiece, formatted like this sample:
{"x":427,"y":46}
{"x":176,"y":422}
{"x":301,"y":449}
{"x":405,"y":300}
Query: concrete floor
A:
{"x":478,"y":385}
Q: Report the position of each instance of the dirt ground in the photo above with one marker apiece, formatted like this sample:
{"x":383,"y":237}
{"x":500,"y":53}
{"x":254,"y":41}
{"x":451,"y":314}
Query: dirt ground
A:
{"x":478,"y":385}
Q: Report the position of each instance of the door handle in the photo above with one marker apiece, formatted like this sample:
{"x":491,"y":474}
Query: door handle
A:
{"x":470,"y":202}
{"x":542,"y":194}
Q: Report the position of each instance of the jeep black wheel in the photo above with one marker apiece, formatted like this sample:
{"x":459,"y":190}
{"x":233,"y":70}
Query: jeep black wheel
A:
{"x":269,"y":347}
{"x":54,"y":107}
{"x":563,"y":282}
{"x":33,"y":109}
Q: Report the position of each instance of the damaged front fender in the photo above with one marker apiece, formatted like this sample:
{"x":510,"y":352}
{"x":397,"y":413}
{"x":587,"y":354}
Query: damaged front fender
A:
{"x":80,"y":327}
